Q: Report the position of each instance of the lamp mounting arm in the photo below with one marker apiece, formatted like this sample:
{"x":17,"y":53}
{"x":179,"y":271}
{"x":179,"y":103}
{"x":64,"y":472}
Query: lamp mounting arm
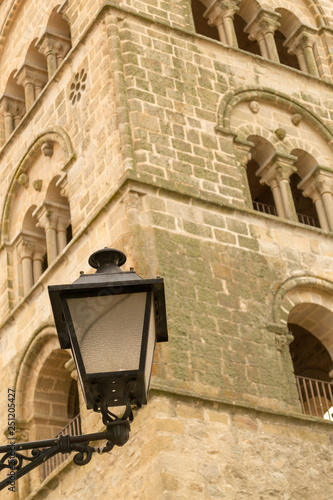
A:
{"x":116,"y":434}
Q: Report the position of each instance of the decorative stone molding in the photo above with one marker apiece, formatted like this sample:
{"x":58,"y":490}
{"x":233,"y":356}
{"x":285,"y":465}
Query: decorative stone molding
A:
{"x":232,"y":98}
{"x":78,"y":86}
{"x":47,"y":149}
{"x":56,"y":135}
{"x":254,"y":107}
{"x":283,"y":336}
{"x":296,"y":119}
{"x":38,"y":184}
{"x":23,"y":180}
{"x":261,"y":28}
{"x":280,"y":133}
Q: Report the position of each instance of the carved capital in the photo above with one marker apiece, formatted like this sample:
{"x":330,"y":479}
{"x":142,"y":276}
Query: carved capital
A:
{"x":265,"y":21}
{"x":132,"y":200}
{"x":283,"y":336}
{"x":243,"y":152}
{"x":220,"y":9}
{"x":50,"y":43}
{"x":303,"y":37}
{"x":279,"y":167}
{"x":52,"y":215}
{"x":28,"y":74}
{"x":11,"y":106}
{"x":323,"y":179}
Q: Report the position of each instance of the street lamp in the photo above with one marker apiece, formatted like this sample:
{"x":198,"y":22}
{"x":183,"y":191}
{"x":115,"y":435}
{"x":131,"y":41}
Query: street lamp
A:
{"x":111,"y":321}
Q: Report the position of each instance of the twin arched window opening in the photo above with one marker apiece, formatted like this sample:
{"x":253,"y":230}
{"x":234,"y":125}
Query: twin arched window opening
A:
{"x":291,"y":186}
{"x":24,"y":85}
{"x":277,"y":35}
{"x":46,"y":231}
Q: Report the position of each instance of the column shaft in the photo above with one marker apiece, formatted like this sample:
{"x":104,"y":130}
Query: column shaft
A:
{"x":271,"y":46}
{"x":37,"y":265}
{"x":278,"y":201}
{"x":328,"y":204}
{"x":220,"y":29}
{"x":29,"y":91}
{"x":287,"y":199}
{"x":51,"y":243}
{"x":230,"y":31}
{"x":9,"y":125}
{"x":27,"y":273}
{"x":51,"y":60}
{"x":62,"y":239}
{"x":310,"y":60}
{"x":301,"y":61}
{"x":263,"y":47}
{"x":321,"y":214}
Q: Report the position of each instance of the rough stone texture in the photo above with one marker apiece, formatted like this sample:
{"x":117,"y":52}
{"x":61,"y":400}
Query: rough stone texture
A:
{"x":152,"y":160}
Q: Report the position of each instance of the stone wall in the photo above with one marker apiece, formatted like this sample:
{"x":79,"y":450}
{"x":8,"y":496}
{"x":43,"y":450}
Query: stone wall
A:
{"x":146,"y":129}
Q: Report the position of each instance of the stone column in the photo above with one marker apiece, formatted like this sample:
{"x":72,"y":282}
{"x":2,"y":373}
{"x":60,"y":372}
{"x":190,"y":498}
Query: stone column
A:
{"x":324,"y":182}
{"x":48,"y":219}
{"x":26,"y":249}
{"x":37,"y":265}
{"x":301,"y":44}
{"x":262,"y":29}
{"x":310,"y":191}
{"x":8,"y":118}
{"x":275,"y":173}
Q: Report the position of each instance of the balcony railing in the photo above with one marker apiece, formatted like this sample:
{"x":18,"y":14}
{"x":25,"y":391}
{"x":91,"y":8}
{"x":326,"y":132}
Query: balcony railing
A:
{"x":73,"y":428}
{"x":316,"y":397}
{"x":271,"y":210}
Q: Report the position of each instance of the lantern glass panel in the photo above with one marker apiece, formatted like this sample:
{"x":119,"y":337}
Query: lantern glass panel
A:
{"x":150,"y":347}
{"x":109,"y":330}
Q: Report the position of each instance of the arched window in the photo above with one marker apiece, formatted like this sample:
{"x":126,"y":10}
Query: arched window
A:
{"x":261,"y":194}
{"x":201,"y":24}
{"x":305,"y":209}
{"x":47,"y":400}
{"x":244,"y":41}
{"x":31,"y":246}
{"x":12,"y":107}
{"x":312,"y":367}
{"x":287,"y":58}
{"x":32,"y":75}
{"x":295,"y":43}
{"x":260,"y":185}
{"x":55,"y":42}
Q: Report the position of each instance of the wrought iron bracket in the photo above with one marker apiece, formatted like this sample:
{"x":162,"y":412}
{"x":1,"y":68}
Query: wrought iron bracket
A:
{"x":116,"y":434}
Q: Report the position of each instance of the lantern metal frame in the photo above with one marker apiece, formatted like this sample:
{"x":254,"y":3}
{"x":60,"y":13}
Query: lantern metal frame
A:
{"x":98,"y":388}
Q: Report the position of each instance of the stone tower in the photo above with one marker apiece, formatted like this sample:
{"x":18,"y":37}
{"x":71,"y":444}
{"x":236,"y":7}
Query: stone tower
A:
{"x":196,"y":137}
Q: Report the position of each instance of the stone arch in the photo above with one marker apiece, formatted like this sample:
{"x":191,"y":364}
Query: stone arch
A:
{"x":297,"y":12}
{"x":41,"y":345}
{"x":43,"y":142}
{"x":247,"y":130}
{"x":46,"y":395}
{"x":10,"y":19}
{"x":233,"y":97}
{"x":307,"y":301}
